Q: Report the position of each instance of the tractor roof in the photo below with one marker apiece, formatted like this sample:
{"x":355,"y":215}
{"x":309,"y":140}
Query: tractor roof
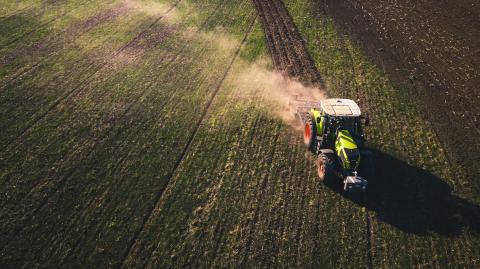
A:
{"x":340,"y":107}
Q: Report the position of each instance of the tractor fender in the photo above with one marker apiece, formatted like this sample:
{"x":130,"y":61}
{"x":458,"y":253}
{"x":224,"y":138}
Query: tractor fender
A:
{"x":319,"y":120}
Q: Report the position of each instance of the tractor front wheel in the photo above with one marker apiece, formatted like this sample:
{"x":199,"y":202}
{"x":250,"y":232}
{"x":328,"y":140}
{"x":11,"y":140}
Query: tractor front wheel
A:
{"x":325,"y":168}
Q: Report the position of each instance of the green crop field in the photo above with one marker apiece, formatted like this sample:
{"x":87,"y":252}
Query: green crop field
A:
{"x":152,"y":133}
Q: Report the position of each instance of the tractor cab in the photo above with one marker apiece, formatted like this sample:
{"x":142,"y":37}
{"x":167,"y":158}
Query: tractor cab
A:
{"x":339,"y":115}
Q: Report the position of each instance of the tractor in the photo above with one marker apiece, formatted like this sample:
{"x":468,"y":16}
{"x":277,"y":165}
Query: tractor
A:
{"x":333,"y":131}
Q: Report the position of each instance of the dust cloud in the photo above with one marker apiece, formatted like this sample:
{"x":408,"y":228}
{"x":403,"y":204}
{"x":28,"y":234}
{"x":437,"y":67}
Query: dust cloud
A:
{"x":274,"y":90}
{"x":251,"y":81}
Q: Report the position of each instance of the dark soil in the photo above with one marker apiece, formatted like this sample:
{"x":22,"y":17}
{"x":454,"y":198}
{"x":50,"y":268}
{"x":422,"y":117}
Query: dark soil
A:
{"x":433,"y":48}
{"x":285,"y":44}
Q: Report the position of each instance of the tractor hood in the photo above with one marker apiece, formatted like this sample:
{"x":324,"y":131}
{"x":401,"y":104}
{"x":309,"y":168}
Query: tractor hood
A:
{"x":347,"y":150}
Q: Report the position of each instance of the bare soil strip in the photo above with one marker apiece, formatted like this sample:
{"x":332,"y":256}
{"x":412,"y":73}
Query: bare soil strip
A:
{"x":187,"y":146}
{"x":285,"y":44}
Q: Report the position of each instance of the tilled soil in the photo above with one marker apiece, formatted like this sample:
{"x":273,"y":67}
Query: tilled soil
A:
{"x":285,"y":44}
{"x":433,"y":47}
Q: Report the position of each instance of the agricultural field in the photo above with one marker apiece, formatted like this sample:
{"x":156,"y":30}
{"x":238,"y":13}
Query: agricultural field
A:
{"x":153,"y":133}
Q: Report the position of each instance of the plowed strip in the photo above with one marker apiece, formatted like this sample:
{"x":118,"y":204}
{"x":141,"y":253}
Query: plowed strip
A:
{"x":285,"y":43}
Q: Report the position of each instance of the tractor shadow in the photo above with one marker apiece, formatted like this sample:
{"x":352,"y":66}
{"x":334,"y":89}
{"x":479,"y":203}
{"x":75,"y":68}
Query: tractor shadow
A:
{"x":414,"y":200}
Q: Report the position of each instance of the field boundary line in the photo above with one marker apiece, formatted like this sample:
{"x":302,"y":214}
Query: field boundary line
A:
{"x":186,"y":148}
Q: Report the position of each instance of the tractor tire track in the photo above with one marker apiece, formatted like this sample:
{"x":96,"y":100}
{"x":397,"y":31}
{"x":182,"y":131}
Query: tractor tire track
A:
{"x":72,"y":92}
{"x":185,"y":149}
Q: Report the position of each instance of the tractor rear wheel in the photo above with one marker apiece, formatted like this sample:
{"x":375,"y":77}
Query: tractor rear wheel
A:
{"x":325,"y":168}
{"x":310,"y":134}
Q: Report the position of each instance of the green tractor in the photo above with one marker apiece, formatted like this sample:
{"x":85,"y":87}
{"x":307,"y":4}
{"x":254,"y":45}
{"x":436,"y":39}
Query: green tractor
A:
{"x":333,"y":131}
